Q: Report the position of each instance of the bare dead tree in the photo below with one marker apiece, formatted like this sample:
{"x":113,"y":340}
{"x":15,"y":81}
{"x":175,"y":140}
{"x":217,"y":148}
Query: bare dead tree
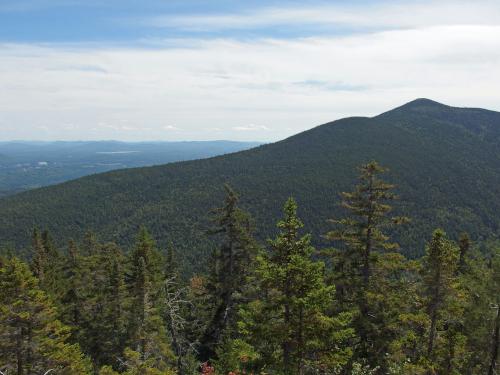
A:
{"x":175,"y":303}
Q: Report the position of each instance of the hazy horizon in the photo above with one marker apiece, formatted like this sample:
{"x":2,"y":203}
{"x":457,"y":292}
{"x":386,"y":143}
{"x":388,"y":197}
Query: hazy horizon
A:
{"x":258,"y":70}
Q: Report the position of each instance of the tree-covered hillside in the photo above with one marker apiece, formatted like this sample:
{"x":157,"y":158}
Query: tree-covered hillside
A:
{"x":444,"y":160}
{"x":27,"y":165}
{"x":356,"y":307}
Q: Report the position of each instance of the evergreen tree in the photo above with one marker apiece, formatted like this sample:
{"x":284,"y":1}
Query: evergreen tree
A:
{"x":32,"y":340}
{"x":146,"y":331}
{"x":230,"y":268}
{"x":94,"y":302}
{"x":289,"y":325}
{"x":476,"y":281}
{"x":464,"y":245}
{"x":47,"y":264}
{"x":107,"y":327}
{"x":90,"y":244}
{"x":363,"y":237}
{"x":39,"y":258}
{"x":440,"y":290}
{"x":71,"y":299}
{"x":495,"y":305}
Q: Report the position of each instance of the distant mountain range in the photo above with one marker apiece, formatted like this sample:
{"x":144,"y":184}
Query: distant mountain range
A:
{"x":27,"y":165}
{"x":445,"y":162}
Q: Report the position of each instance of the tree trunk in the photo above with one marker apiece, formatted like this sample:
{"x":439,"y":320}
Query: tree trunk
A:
{"x":19,"y":352}
{"x":430,"y":345}
{"x":286,"y":343}
{"x":451,"y":352}
{"x":494,"y":345}
{"x":368,"y":246}
{"x":286,"y":346}
{"x":300,"y":343}
{"x":433,"y":312}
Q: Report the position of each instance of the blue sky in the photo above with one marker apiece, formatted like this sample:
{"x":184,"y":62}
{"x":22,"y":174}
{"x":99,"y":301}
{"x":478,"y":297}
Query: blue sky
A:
{"x":128,"y":21}
{"x":247,"y":70}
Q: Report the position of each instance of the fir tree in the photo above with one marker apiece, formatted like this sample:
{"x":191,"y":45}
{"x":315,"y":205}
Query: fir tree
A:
{"x":464,"y":245}
{"x":32,"y":340}
{"x":495,"y":306}
{"x":71,"y":299}
{"x":289,"y":325}
{"x":440,"y":286}
{"x":146,"y":331}
{"x":47,"y":264}
{"x":39,"y":258}
{"x":363,"y":236}
{"x":231,"y":264}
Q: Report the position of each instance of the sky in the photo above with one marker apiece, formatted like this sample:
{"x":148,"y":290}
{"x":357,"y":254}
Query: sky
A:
{"x":241,"y":70}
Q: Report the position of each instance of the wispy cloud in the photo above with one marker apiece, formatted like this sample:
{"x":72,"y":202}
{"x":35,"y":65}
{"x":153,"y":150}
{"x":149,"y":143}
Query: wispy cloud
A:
{"x":331,"y":86}
{"x":170,"y":127}
{"x":81,"y":68}
{"x":251,"y":127}
{"x":208,"y":88}
{"x":379,"y":15}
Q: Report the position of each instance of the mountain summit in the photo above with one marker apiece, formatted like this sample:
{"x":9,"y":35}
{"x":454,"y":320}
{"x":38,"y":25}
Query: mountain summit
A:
{"x":444,"y":161}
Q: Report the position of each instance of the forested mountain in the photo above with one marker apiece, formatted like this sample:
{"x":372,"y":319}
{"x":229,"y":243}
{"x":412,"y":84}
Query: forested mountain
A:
{"x":444,"y":160}
{"x":26,"y":165}
{"x":356,"y":307}
{"x":340,"y":301}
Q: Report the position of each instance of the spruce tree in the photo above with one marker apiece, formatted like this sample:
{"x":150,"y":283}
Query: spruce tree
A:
{"x":47,"y":264}
{"x":230,"y":266}
{"x":108,"y":325}
{"x":464,"y":244}
{"x":32,"y":340}
{"x":494,"y":347}
{"x":289,"y":326}
{"x":71,"y":298}
{"x":147,"y":336}
{"x":39,"y":256}
{"x":440,"y":289}
{"x":94,"y":302}
{"x":362,"y":236}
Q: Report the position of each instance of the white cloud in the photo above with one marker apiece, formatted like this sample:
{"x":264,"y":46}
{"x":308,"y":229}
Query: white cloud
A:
{"x":170,"y":127}
{"x":208,"y":88}
{"x":378,"y":15}
{"x":251,"y":127}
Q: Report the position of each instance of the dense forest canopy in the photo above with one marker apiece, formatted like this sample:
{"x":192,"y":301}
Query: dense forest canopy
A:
{"x":443,"y":159}
{"x":354,"y":307}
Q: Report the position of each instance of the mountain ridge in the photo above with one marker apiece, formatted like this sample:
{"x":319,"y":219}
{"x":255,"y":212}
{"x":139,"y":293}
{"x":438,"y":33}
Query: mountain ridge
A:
{"x":428,"y":153}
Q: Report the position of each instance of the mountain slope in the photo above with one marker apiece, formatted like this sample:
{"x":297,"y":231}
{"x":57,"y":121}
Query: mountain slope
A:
{"x":27,"y":165}
{"x":444,"y":160}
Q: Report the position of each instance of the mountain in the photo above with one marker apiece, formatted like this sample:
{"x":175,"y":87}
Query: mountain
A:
{"x":444,"y":160}
{"x":28,"y":165}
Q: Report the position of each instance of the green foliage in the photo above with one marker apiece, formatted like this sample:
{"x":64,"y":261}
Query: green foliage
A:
{"x":430,"y":149}
{"x":288,"y":325}
{"x":231,"y":264}
{"x":136,"y":364}
{"x":235,"y":355}
{"x":280,"y":310}
{"x":362,"y":236}
{"x":32,"y":339}
{"x":147,"y":338}
{"x":439,"y":283}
